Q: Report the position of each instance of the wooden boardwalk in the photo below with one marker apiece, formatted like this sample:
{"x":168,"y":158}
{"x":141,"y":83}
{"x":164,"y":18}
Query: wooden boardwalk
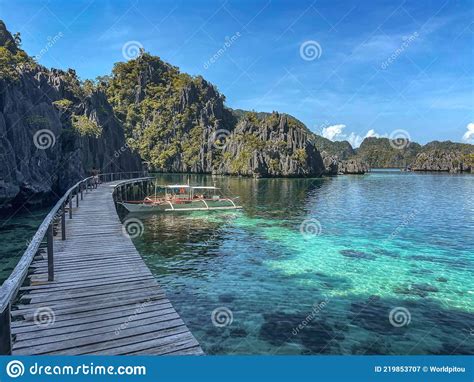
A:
{"x":104,"y":299}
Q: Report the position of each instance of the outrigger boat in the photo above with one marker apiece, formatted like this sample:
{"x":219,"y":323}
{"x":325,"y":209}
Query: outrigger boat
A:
{"x":182,"y":197}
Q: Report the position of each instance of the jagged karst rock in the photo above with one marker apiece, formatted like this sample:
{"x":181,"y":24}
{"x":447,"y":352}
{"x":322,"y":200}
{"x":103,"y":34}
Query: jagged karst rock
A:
{"x":188,"y":128}
{"x":353,"y":166}
{"x":269,"y":147}
{"x":331,"y":163}
{"x":40,"y":152}
{"x":438,"y":160}
{"x":334,"y":166}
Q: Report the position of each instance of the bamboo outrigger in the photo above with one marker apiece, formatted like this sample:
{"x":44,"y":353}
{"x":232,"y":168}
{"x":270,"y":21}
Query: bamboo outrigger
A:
{"x":182,"y":197}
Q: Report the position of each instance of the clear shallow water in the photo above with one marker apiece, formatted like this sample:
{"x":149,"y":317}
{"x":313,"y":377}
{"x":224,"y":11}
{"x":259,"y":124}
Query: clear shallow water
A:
{"x":389,"y":242}
{"x":16,"y":229}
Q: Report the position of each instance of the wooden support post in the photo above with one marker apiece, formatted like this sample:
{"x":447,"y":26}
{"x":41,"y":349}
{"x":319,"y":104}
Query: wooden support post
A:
{"x":63,"y":222}
{"x":5,"y":332}
{"x":49,"y":239}
{"x":70,"y":206}
{"x":81,"y":188}
{"x":77,"y":198}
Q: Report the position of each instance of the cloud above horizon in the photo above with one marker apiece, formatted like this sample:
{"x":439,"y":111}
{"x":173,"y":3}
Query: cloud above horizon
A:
{"x":336,"y":133}
{"x":469,"y":134}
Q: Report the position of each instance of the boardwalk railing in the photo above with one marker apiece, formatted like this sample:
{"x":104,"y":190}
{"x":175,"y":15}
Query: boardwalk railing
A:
{"x":10,"y":287}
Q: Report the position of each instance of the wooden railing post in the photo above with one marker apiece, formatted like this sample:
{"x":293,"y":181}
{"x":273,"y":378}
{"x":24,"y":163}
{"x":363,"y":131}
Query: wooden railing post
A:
{"x":63,"y":222}
{"x":50,"y":253}
{"x":70,"y":206}
{"x":5,"y":332}
{"x":77,"y":198}
{"x":81,"y":188}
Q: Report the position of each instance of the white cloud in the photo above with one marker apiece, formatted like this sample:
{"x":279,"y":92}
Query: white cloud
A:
{"x":469,"y":134}
{"x":335,"y":133}
{"x":332,"y":132}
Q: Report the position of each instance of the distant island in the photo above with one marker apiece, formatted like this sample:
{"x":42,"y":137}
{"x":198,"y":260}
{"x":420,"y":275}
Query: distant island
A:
{"x":55,"y":128}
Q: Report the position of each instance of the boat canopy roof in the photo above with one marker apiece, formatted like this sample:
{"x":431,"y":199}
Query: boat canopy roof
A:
{"x":188,"y":186}
{"x":178,"y":186}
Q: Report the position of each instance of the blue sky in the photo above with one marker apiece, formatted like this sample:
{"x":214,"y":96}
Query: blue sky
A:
{"x":369,"y":68}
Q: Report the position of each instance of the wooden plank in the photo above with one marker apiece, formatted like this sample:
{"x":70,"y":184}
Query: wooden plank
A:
{"x":104,"y":298}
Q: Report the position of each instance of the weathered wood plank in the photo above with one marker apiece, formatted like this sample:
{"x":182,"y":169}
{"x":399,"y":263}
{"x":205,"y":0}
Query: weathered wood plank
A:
{"x":104,"y":299}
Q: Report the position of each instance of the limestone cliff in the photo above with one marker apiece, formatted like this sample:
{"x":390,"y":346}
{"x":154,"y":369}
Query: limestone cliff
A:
{"x":447,"y":161}
{"x":179,"y":123}
{"x":41,"y":151}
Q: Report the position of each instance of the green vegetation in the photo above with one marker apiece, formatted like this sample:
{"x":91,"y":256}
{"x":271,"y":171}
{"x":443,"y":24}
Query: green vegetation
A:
{"x":240,"y":164}
{"x":342,"y":149}
{"x":63,"y":104}
{"x":378,"y":152}
{"x":300,"y":155}
{"x":11,"y":56}
{"x":85,"y":126}
{"x":468,"y":160}
{"x":192,"y":146}
{"x":161,"y":109}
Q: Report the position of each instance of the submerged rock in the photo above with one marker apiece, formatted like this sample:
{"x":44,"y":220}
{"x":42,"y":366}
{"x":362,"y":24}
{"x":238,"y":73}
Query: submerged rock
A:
{"x":353,"y":254}
{"x":238,"y":333}
{"x":373,"y":315}
{"x":421,"y":290}
{"x":226,"y":297}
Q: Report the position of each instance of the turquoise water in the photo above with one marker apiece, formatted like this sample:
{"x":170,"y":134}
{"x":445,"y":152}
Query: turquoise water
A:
{"x":17,"y":227}
{"x":387,"y":268}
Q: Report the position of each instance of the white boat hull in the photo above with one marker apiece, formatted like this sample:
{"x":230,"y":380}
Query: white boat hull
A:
{"x":168,"y":207}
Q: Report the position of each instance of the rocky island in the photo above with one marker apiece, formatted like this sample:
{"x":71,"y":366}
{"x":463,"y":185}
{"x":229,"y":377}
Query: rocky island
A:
{"x":54,"y":128}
